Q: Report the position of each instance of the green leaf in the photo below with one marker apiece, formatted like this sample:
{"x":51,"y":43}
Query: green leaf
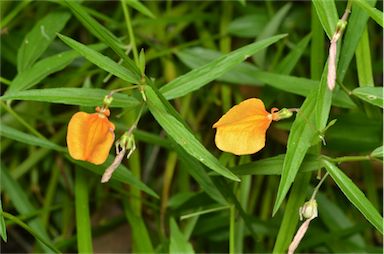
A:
{"x":182,"y":136}
{"x":274,"y":165}
{"x":269,"y":30}
{"x":89,"y":97}
{"x":374,"y":13}
{"x":102,"y":61}
{"x":83,"y":221}
{"x":103,"y":34}
{"x":23,"y":205}
{"x":46,"y":244}
{"x":39,"y":38}
{"x":178,"y":242}
{"x":248,"y":26}
{"x":378,"y":152}
{"x":355,"y":195}
{"x":289,"y":62}
{"x":291,"y":216}
{"x":121,"y":174}
{"x":299,"y":140}
{"x":357,"y":23}
{"x":372,"y":95}
{"x":44,"y":68}
{"x":199,"y":77}
{"x":246,"y":73}
{"x":140,"y":7}
{"x":140,"y":235}
{"x":327,"y":13}
{"x":11,"y":133}
{"x":3,"y":228}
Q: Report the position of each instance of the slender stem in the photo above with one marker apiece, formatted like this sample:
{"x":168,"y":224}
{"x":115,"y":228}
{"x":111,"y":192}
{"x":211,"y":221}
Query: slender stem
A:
{"x":130,"y":32}
{"x":349,"y":158}
{"x":21,"y":120}
{"x":318,"y":186}
{"x":232,"y":211}
{"x":5,"y":81}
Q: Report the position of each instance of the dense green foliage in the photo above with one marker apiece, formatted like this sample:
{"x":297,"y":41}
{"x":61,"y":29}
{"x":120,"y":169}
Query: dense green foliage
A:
{"x":184,"y":65}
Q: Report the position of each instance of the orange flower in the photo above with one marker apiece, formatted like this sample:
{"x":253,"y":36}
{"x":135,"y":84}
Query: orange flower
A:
{"x":242,"y":129}
{"x":90,"y":136}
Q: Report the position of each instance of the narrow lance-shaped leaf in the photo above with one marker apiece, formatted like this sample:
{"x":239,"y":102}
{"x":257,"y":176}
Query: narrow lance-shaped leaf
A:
{"x":102,"y":33}
{"x":102,"y":61}
{"x":3,"y":229}
{"x":88,"y":97}
{"x":201,"y":76}
{"x":374,"y":13}
{"x":39,"y":38}
{"x":327,"y":13}
{"x":372,"y":95}
{"x":182,"y":136}
{"x":355,"y":195}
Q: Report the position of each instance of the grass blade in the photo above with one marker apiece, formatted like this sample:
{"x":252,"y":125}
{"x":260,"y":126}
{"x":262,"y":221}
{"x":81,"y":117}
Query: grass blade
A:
{"x":11,"y":133}
{"x":355,"y":195}
{"x":102,"y":61}
{"x":103,"y":34}
{"x":372,"y":95}
{"x":140,"y":7}
{"x":199,"y":77}
{"x":39,"y":38}
{"x":44,"y":68}
{"x":182,"y":136}
{"x":88,"y":97}
{"x":83,"y":222}
{"x":24,"y":206}
{"x":327,"y":13}
{"x":178,"y":242}
{"x":374,"y":13}
{"x":357,"y":23}
{"x":3,"y":229}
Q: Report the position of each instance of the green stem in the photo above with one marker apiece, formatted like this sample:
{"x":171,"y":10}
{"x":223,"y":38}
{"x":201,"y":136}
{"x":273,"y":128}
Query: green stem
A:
{"x":232,"y":211}
{"x":318,"y":186}
{"x":130,"y":32}
{"x":349,"y":158}
{"x":21,"y":120}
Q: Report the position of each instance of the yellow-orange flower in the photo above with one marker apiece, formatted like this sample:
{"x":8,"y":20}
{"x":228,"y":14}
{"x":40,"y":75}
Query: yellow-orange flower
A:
{"x":90,"y":136}
{"x":243,"y":128}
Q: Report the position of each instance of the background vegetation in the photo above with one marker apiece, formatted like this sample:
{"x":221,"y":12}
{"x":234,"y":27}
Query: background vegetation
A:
{"x":178,"y":192}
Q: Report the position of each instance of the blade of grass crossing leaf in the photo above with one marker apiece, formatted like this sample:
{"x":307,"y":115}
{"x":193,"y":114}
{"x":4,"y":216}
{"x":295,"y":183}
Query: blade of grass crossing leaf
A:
{"x":83,"y":222}
{"x":3,"y":229}
{"x":23,"y":205}
{"x":299,"y":140}
{"x":355,"y":195}
{"x":356,"y":25}
{"x":182,"y":136}
{"x":42,"y":240}
{"x":363,"y":61}
{"x":39,"y":38}
{"x":291,"y":214}
{"x":269,"y":30}
{"x":121,"y":174}
{"x":317,"y":46}
{"x":140,"y":7}
{"x":102,"y":61}
{"x":199,"y":77}
{"x":289,"y":62}
{"x":140,"y":237}
{"x":11,"y":133}
{"x":87,"y":97}
{"x":374,"y":13}
{"x":372,"y":95}
{"x":44,"y":68}
{"x":103,"y":34}
{"x":178,"y":241}
{"x":327,"y":13}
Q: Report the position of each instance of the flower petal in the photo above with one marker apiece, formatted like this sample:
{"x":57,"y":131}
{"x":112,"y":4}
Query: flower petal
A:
{"x":90,"y":137}
{"x":243,"y":128}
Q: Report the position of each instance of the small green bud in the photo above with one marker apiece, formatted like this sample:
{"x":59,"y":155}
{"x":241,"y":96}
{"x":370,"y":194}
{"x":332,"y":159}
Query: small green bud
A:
{"x":107,"y":100}
{"x":308,"y":210}
{"x":284,"y":113}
